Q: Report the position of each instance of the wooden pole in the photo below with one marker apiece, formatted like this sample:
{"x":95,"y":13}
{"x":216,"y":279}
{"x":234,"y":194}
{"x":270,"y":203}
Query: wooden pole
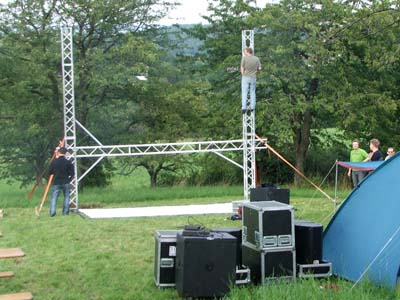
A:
{"x":46,"y":191}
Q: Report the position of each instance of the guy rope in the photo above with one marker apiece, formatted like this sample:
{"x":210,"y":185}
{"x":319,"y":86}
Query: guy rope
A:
{"x":293,"y":167}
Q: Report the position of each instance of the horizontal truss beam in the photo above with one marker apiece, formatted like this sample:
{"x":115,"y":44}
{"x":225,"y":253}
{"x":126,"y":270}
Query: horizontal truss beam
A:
{"x":162,"y":148}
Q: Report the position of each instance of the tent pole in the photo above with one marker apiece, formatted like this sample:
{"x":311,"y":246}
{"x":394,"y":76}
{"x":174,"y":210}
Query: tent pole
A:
{"x":336,"y":183}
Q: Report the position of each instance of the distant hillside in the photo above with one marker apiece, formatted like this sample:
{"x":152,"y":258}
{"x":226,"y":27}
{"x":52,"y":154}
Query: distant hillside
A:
{"x":181,"y":42}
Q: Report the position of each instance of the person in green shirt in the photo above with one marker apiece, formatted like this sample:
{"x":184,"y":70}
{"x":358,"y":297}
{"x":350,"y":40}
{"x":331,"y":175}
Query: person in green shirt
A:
{"x":357,"y":155}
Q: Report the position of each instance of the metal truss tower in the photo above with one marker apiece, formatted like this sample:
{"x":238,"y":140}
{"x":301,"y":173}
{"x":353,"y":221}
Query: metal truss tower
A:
{"x":99,"y":151}
{"x":249,"y":156}
{"x":69,"y":106}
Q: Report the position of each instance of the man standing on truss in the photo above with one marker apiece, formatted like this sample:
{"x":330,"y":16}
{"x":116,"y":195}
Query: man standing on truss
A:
{"x":249,"y":66}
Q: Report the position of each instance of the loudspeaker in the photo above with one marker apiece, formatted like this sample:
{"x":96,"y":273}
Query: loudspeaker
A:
{"x":237,"y":233}
{"x":205,"y":265}
{"x":308,"y":237}
{"x":270,"y":194}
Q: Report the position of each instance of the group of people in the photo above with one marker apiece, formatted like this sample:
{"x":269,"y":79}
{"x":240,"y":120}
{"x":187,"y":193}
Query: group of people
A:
{"x":358,"y":154}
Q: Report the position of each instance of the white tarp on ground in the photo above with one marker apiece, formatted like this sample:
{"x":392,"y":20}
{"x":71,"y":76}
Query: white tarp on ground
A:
{"x":152,"y":211}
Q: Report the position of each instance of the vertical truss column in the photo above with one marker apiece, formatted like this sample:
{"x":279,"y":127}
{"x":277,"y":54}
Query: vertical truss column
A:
{"x":69,"y":106}
{"x":249,"y":158}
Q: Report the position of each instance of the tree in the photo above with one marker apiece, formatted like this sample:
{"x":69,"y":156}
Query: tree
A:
{"x":326,"y":70}
{"x":165,"y":112}
{"x":298,"y":66}
{"x":220,"y":57}
{"x":29,"y":93}
{"x":307,"y":83}
{"x":32,"y":89}
{"x":369,"y":71}
{"x":291,"y":48}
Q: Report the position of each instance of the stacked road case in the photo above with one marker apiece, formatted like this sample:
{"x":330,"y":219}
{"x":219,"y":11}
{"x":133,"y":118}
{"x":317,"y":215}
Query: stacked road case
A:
{"x":165,"y":257}
{"x":268,"y":243}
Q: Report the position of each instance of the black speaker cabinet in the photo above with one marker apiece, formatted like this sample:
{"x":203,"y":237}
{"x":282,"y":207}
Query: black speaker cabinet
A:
{"x":268,"y":225}
{"x":308,"y":236}
{"x":205,"y":265}
{"x":237,"y":233}
{"x":164,"y":258}
{"x":267,"y":265}
{"x":270,"y":194}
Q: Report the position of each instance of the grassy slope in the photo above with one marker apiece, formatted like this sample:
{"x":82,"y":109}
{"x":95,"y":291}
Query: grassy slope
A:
{"x":75,"y":258}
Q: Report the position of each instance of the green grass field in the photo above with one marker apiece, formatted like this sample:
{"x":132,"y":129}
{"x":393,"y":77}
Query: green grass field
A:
{"x":76,"y":258}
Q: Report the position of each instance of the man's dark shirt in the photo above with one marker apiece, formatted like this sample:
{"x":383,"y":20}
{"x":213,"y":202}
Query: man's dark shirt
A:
{"x":377,"y":155}
{"x":62,"y":169}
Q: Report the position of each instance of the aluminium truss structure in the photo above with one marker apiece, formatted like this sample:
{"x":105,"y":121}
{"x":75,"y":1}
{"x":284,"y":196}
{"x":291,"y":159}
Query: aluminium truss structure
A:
{"x":69,"y":106}
{"x":249,"y":156}
{"x":99,"y":151}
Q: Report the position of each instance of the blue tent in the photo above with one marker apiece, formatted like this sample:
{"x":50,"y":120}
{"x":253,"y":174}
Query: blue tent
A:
{"x":363,"y":238}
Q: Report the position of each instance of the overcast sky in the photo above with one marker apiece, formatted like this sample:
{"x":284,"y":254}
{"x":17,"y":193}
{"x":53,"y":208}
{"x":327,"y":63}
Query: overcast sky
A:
{"x":189,"y":12}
